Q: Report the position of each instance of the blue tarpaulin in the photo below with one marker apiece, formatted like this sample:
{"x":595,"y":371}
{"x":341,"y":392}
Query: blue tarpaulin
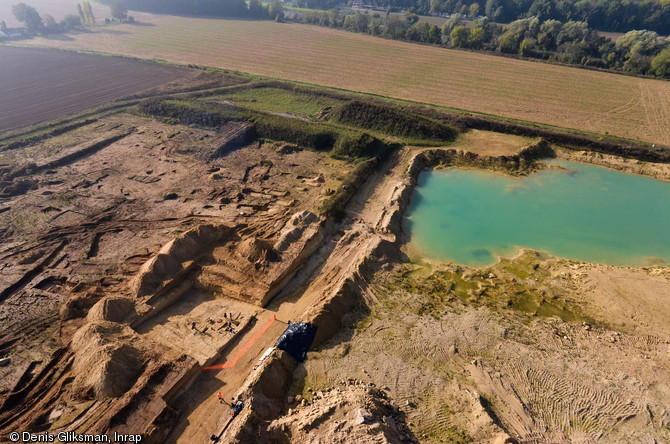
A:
{"x":297,"y":339}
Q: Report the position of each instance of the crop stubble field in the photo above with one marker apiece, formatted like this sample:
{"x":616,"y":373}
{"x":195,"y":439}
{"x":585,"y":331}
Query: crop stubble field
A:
{"x":593,"y":101}
{"x":40,"y":85}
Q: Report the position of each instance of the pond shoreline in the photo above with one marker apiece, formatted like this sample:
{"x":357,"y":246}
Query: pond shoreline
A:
{"x":528,"y":161}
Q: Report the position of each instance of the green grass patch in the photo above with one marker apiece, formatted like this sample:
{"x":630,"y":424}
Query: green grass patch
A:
{"x":280,"y":100}
{"x":507,"y":290}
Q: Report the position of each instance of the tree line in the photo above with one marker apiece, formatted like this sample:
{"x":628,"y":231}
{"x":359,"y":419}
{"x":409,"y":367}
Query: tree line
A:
{"x":46,"y":24}
{"x":573,"y":42}
{"x":221,"y":8}
{"x":604,"y":15}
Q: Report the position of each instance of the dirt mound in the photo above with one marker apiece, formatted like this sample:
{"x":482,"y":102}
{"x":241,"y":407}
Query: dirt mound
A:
{"x":113,"y":308}
{"x":315,"y":181}
{"x":254,"y":250}
{"x":105,"y":363}
{"x":392,"y":120}
{"x":286,"y":148}
{"x":168,"y":262}
{"x":77,"y":306}
{"x":191,"y":244}
{"x":108,"y":373}
{"x":154,"y":272}
{"x":352,"y":412}
{"x":294,"y":229}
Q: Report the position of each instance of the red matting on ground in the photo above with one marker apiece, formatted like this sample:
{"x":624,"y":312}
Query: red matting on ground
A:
{"x":232,"y":363}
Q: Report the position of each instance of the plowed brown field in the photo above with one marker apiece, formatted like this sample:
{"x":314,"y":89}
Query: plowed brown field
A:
{"x":39,"y":85}
{"x":568,"y":97}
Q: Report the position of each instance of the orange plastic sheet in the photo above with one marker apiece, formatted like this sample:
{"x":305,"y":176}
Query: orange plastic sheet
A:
{"x":232,"y":363}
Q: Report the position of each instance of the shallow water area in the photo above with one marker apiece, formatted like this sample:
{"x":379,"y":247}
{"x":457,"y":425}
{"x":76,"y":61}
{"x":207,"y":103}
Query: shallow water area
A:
{"x":575,"y":211}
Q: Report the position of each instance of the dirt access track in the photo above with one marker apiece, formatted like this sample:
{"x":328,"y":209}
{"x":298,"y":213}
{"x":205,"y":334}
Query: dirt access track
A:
{"x":40,"y":84}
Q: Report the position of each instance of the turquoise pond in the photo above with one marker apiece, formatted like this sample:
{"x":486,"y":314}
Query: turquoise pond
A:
{"x":579,"y":212}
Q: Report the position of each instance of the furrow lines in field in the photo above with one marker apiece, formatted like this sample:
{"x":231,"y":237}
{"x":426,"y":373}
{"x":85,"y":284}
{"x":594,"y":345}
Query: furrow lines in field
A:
{"x":563,"y":96}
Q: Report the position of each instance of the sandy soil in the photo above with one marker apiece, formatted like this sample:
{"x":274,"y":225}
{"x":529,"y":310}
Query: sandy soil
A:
{"x":536,"y":348}
{"x":121,"y":234}
{"x":488,"y":143}
{"x":90,"y":218}
{"x":659,"y":171}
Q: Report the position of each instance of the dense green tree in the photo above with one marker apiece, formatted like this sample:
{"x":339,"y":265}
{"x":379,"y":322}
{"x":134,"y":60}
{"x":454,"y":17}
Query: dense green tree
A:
{"x":375,"y":26}
{"x":411,"y":18}
{"x":276,"y":11}
{"x":232,"y":8}
{"x":434,"y":34}
{"x":82,"y":16}
{"x":638,"y":48}
{"x":541,"y":9}
{"x":424,"y":32}
{"x":28,"y":16}
{"x":546,"y":38}
{"x":524,"y":28}
{"x":572,"y":42}
{"x":256,"y":9}
{"x":49,"y":20}
{"x":87,"y":12}
{"x":357,"y":23}
{"x":574,"y":53}
{"x":509,"y":43}
{"x":660,"y":65}
{"x":70,"y":22}
{"x":527,"y":47}
{"x":474,"y":10}
{"x":572,"y":31}
{"x":644,"y":43}
{"x":607,"y":15}
{"x":459,"y":36}
{"x":50,"y":23}
{"x":494,"y":10}
{"x":476,"y":37}
{"x":449,"y":25}
{"x":395,"y":27}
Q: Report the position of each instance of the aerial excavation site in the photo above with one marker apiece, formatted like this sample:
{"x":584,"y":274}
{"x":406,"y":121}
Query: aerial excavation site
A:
{"x":319,"y":222}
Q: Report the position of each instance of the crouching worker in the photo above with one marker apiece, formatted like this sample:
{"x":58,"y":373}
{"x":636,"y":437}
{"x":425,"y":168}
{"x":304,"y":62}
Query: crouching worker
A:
{"x":237,"y":408}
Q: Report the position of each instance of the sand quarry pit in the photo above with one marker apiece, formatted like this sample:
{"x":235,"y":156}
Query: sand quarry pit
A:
{"x":128,"y":242}
{"x":123,"y":226}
